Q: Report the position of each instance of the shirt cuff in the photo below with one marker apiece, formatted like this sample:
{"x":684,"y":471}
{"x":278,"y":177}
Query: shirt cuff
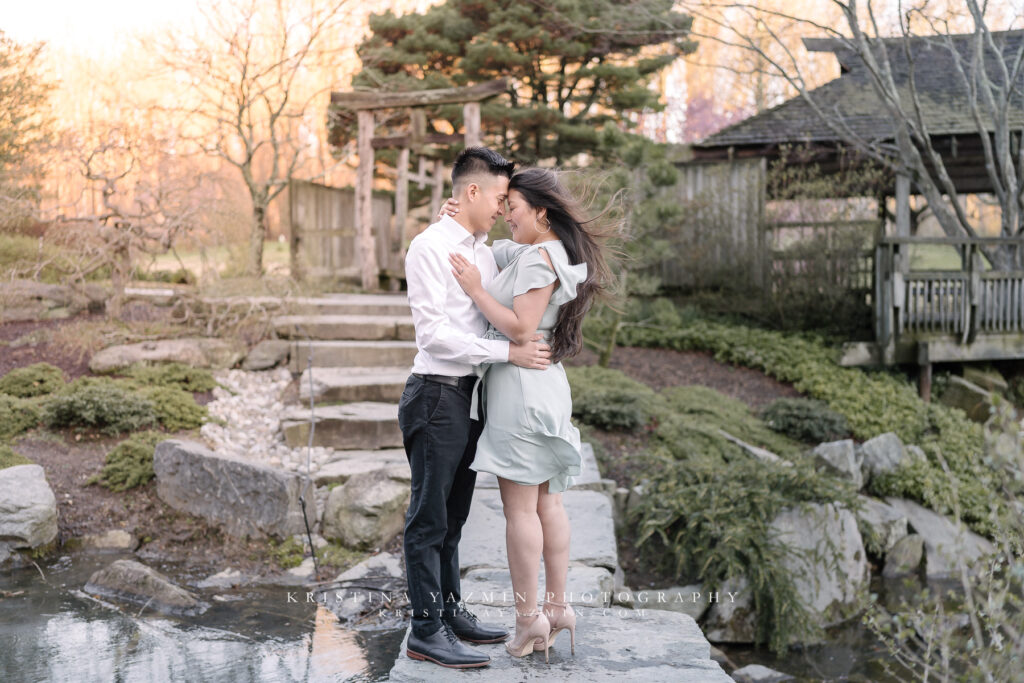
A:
{"x":498,"y":350}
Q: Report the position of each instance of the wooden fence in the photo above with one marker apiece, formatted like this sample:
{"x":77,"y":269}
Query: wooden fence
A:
{"x":722,"y":233}
{"x":323,"y":232}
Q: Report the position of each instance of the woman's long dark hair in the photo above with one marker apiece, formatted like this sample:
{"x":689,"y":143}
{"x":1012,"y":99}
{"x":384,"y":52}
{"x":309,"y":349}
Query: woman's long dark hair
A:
{"x":542,"y":189}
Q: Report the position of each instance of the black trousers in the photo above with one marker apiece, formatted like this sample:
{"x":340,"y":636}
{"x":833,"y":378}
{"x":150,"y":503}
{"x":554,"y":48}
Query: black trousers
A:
{"x":440,"y":443}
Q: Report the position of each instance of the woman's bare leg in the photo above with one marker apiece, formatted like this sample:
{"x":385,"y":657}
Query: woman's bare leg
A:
{"x":524,"y":542}
{"x":555,"y":527}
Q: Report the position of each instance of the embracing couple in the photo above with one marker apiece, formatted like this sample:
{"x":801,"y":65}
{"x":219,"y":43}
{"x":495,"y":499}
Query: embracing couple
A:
{"x":488,"y":394}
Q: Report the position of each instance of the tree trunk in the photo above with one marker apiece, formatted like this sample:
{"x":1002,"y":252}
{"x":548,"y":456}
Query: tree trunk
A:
{"x":257,"y":236}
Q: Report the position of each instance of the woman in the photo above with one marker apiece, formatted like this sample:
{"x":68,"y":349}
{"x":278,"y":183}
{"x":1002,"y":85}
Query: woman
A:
{"x":551,"y":271}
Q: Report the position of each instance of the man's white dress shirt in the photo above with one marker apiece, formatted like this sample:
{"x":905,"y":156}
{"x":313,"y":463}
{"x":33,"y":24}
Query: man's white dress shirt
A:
{"x":448,"y":324}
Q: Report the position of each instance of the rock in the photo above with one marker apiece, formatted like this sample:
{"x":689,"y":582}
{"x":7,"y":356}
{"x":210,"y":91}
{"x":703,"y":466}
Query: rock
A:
{"x":267,"y":354}
{"x":756,"y":451}
{"x":28,"y":508}
{"x":942,"y":546}
{"x":200,"y":352}
{"x":905,"y":557}
{"x":367,"y":511}
{"x":245,"y":499}
{"x":359,"y":462}
{"x":986,"y":378}
{"x":379,"y":566}
{"x":586,"y":586}
{"x":115,"y":539}
{"x":369,"y":594}
{"x":839,"y":458}
{"x":228,"y":578}
{"x":134,"y":582}
{"x":968,"y":397}
{"x":732,"y":618}
{"x":831,"y":581}
{"x":881,"y":525}
{"x":883,"y":453}
{"x":755,"y":673}
{"x":620,"y":645}
{"x":592,"y":542}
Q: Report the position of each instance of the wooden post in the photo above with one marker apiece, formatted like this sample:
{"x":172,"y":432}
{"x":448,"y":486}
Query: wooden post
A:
{"x":902,"y":205}
{"x":471,"y":118}
{"x":437,"y":194}
{"x":363,"y":204}
{"x":402,"y":202}
{"x":924,"y":377}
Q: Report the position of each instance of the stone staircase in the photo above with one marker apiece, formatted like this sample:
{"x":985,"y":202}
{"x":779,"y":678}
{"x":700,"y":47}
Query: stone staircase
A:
{"x":362,"y":350}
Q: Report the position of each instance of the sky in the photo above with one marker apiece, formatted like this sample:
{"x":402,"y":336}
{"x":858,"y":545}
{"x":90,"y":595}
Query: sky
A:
{"x":92,"y":27}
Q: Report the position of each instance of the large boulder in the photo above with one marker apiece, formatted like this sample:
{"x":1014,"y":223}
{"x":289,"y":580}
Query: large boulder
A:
{"x":200,"y":352}
{"x":832,"y":567}
{"x":134,"y":582}
{"x":881,"y":525}
{"x":841,"y":459}
{"x":944,"y":544}
{"x":28,"y":508}
{"x":366,"y":511}
{"x":885,"y":453}
{"x":974,"y":400}
{"x":245,"y":499}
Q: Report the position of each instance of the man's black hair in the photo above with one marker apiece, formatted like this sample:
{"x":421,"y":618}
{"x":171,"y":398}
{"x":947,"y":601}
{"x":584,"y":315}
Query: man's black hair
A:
{"x":473,"y":160}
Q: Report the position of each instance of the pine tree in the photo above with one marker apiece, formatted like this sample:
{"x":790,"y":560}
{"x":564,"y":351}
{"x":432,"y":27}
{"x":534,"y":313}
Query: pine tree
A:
{"x":572,"y":65}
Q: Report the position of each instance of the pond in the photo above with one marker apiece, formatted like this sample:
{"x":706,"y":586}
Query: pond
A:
{"x":51,"y":631}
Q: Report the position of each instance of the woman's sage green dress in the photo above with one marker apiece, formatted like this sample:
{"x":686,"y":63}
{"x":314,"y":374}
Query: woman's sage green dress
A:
{"x":527,"y":436}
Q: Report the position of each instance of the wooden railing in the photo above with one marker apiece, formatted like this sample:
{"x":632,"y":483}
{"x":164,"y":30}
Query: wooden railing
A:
{"x":976,"y":298}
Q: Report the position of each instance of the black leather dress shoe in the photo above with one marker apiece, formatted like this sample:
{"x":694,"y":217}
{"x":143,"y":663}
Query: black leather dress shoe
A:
{"x":466,"y":626}
{"x":445,"y":648}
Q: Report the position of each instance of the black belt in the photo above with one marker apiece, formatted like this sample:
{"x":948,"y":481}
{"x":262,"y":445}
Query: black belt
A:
{"x":465,"y":383}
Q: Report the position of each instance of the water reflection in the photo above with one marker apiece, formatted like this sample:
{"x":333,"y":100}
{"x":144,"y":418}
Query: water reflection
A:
{"x":53,"y":632}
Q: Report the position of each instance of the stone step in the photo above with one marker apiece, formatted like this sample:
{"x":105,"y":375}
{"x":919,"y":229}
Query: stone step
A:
{"x":345,"y":327}
{"x":350,"y":463}
{"x":353,"y":426}
{"x":328,"y":304}
{"x":346,"y":385}
{"x":348,"y":354}
{"x":613,"y":645}
{"x":352,"y":304}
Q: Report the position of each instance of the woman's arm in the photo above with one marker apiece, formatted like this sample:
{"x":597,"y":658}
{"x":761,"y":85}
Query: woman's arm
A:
{"x":518,"y":323}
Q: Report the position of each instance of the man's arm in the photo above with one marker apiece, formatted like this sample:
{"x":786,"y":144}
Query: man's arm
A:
{"x":434,"y":332}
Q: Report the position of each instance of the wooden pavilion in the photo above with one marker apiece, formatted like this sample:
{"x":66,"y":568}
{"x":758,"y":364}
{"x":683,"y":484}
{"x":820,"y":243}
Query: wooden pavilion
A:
{"x":968,"y":313}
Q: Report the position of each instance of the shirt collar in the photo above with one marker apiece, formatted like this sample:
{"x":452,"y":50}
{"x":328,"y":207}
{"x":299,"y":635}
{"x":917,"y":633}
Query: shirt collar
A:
{"x":456,"y":234}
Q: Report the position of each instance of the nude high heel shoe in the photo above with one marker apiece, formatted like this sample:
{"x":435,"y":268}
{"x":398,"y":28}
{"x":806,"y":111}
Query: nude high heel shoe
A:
{"x":565,"y":621}
{"x":534,"y":637}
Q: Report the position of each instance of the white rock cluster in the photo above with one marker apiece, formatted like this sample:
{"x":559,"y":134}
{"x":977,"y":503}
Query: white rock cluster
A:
{"x":251,"y":407}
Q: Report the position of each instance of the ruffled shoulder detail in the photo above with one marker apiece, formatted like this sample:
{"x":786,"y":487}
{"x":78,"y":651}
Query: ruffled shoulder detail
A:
{"x":533,"y":272}
{"x":506,"y":251}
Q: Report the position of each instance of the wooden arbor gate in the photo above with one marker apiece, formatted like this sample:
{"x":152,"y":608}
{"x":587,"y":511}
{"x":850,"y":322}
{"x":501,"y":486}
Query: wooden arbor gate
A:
{"x":416,"y":141}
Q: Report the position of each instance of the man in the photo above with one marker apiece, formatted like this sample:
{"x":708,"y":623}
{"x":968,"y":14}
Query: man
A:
{"x":434,"y":412}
